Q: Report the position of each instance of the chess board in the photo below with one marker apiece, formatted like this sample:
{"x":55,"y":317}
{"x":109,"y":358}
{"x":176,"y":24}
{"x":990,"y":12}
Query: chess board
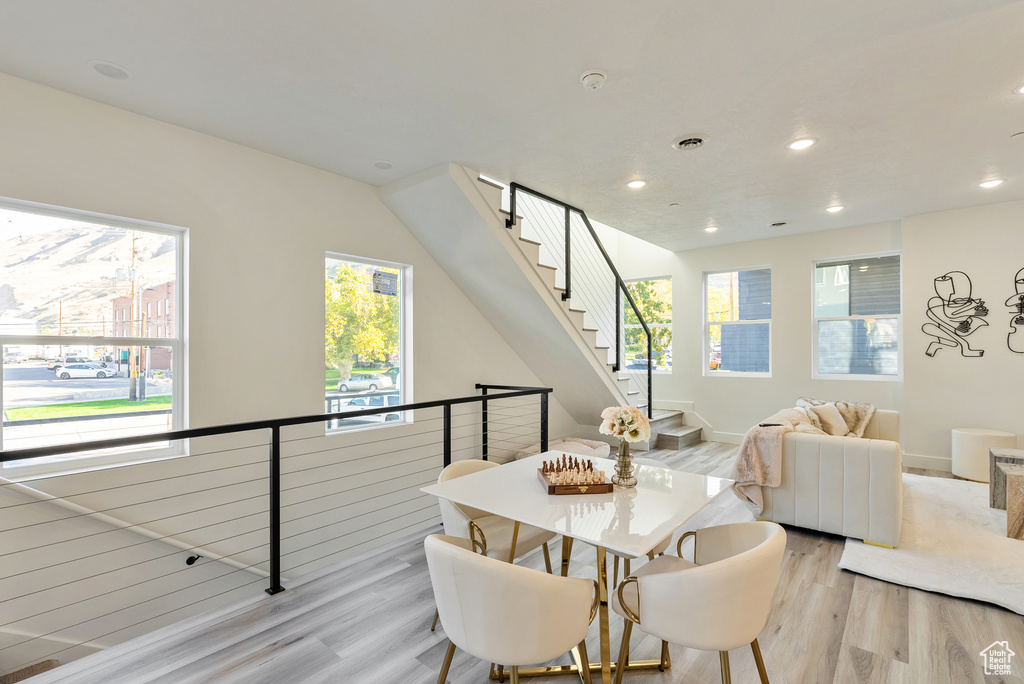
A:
{"x":570,"y":475}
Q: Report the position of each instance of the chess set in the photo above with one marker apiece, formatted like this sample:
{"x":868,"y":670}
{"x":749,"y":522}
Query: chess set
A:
{"x":570,"y":475}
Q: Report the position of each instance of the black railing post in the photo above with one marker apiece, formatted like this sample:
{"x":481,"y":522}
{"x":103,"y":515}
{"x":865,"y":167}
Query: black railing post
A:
{"x":483,"y":419}
{"x":544,"y":422}
{"x":275,"y":511}
{"x":650,"y":375}
{"x":568,"y":258}
{"x":447,"y":435}
{"x":618,"y":328}
{"x":511,"y":220}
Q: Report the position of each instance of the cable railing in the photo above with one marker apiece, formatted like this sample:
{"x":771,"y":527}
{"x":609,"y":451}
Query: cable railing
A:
{"x":91,"y":559}
{"x":590,"y":282}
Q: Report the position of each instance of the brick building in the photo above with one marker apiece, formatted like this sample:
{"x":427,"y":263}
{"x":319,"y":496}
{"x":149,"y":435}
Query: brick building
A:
{"x":156,"y":317}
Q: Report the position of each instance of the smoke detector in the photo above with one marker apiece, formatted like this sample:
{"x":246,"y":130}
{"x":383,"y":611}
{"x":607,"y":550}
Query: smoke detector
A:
{"x":593,"y":79}
{"x":688,"y":142}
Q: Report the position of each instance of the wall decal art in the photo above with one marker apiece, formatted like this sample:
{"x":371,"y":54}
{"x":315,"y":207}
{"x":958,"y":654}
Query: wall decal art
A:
{"x":954,"y":314}
{"x":1015,"y":338}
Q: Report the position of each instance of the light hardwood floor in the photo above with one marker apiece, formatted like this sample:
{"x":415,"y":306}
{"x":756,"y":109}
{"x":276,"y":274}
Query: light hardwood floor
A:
{"x":369,"y":621}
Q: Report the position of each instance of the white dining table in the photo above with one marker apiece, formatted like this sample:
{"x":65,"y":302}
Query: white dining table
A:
{"x":627,"y":522}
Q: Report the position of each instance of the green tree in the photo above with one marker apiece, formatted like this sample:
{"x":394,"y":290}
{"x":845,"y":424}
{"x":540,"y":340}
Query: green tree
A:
{"x":358,"y":322}
{"x":654,"y":300}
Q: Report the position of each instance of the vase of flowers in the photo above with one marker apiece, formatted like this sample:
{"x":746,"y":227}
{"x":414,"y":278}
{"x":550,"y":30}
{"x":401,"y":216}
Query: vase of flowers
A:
{"x":629,"y":424}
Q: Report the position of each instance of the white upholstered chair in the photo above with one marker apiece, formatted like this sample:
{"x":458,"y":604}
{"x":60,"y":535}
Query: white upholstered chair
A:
{"x":505,"y":613}
{"x":718,"y":602}
{"x":499,"y":537}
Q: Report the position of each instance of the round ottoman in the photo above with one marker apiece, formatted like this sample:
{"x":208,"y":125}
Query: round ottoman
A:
{"x":970,"y":451}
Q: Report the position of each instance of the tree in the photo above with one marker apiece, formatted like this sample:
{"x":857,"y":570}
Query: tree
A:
{"x":654,"y":300}
{"x":358,"y":322}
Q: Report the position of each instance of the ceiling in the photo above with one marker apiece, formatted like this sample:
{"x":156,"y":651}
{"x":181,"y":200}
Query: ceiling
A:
{"x":912,"y":101}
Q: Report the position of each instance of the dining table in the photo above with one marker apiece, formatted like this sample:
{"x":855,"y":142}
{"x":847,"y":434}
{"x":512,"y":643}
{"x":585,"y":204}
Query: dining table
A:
{"x":627,"y":522}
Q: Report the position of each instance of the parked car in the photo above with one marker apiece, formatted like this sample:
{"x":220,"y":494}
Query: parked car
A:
{"x":375,"y":401}
{"x":61,"y":361}
{"x":393,"y":374}
{"x":715,"y":358}
{"x":14,"y":357}
{"x":84,"y":370}
{"x":365,"y":381}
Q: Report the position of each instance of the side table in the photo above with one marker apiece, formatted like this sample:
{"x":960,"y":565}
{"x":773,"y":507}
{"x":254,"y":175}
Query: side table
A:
{"x":997,"y":478}
{"x":1014,"y":499}
{"x":970,"y":451}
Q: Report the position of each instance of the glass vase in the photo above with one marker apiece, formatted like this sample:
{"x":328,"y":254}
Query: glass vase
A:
{"x":623,"y":476}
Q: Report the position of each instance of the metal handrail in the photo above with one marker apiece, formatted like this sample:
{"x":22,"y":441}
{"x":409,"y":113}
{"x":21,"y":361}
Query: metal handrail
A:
{"x":620,"y":284}
{"x":275,"y":426}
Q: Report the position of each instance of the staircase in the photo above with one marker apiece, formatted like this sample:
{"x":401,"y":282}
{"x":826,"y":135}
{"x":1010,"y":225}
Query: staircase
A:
{"x":561,"y":315}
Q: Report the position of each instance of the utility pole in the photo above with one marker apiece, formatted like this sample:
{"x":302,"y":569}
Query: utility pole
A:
{"x":132,"y":367}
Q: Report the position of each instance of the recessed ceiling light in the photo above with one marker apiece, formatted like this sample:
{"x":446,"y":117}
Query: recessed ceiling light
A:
{"x":711,"y":229}
{"x":835,"y":208}
{"x":1020,"y":90}
{"x":636,"y":184}
{"x":991,"y":183}
{"x":384,"y":164}
{"x":802,"y":143}
{"x":110,"y":70}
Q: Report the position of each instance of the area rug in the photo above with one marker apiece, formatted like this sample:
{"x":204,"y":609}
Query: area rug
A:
{"x":951,"y":543}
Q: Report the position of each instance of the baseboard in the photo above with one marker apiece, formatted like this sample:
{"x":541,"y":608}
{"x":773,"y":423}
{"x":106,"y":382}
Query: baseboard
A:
{"x":725,"y":437}
{"x":928,"y":462}
{"x":685,"y":406}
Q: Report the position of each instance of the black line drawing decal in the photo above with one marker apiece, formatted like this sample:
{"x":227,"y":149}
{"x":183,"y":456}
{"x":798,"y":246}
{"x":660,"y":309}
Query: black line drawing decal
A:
{"x":954,"y":315}
{"x":1015,"y":338}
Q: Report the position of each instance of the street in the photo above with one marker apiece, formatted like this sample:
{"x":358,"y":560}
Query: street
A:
{"x":31,"y":384}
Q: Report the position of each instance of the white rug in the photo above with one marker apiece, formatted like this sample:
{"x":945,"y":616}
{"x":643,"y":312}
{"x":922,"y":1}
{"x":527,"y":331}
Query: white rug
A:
{"x":951,"y":542}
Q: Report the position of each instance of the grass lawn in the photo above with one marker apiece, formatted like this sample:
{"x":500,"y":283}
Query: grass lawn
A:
{"x":89,"y":408}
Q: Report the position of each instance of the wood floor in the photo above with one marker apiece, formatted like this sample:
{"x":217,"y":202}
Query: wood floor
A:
{"x":369,"y":621}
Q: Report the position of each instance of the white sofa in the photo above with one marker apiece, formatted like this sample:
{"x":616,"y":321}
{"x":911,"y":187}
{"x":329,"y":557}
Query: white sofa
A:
{"x":843,"y":485}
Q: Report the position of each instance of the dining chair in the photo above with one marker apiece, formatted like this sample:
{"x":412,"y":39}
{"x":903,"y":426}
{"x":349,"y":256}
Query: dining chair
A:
{"x":505,"y":613}
{"x":491,"y":535}
{"x":717,"y":602}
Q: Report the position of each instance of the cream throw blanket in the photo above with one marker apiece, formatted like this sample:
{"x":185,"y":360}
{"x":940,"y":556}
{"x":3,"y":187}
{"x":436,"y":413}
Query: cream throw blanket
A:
{"x":759,"y":462}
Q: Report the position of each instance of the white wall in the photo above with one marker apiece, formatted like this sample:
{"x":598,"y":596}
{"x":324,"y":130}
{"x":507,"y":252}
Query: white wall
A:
{"x":948,"y":390}
{"x":258,"y":228}
{"x":935,"y":395}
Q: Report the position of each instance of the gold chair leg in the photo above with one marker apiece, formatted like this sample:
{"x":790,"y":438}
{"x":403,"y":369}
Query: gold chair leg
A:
{"x":625,"y":568}
{"x":515,"y":674}
{"x":723,"y":656}
{"x":547,"y":558}
{"x":761,"y":672}
{"x":515,"y":537}
{"x":623,"y":651}
{"x":566,"y":552}
{"x":434,"y":624}
{"x":615,"y":571}
{"x":585,"y":659}
{"x":446,"y":664}
{"x":650,"y":555}
{"x":666,"y":659}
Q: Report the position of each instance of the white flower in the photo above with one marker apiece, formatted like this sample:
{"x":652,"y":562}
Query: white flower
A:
{"x":627,"y":423}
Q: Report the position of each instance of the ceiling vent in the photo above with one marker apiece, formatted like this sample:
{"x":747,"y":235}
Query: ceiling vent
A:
{"x":778,"y":224}
{"x":690,"y":142}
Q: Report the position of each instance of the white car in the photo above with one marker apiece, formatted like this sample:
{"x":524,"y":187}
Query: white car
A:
{"x":84,"y":370}
{"x":365,"y":381}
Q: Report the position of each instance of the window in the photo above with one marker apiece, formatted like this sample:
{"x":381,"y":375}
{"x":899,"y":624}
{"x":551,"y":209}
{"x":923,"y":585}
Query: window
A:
{"x":857,"y":317}
{"x":69,"y":282}
{"x":654,"y":300}
{"x":365,"y":338}
{"x":738,"y":322}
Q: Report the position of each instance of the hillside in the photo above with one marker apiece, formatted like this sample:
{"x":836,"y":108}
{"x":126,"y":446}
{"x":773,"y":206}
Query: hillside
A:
{"x":67,"y":278}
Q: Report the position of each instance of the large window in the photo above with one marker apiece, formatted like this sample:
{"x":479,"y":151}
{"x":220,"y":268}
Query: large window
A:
{"x":857,"y":317}
{"x":654,"y":300}
{"x":365,"y":338}
{"x":738,"y":322}
{"x":87,"y":353}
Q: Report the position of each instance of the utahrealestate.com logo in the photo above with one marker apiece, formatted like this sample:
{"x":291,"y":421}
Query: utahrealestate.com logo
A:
{"x":997,"y":658}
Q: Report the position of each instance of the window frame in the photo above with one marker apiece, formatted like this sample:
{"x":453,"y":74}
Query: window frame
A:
{"x":815,"y":320}
{"x":16,"y":471}
{"x":651,"y":326}
{"x":707,"y":371}
{"x":405,"y":383}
